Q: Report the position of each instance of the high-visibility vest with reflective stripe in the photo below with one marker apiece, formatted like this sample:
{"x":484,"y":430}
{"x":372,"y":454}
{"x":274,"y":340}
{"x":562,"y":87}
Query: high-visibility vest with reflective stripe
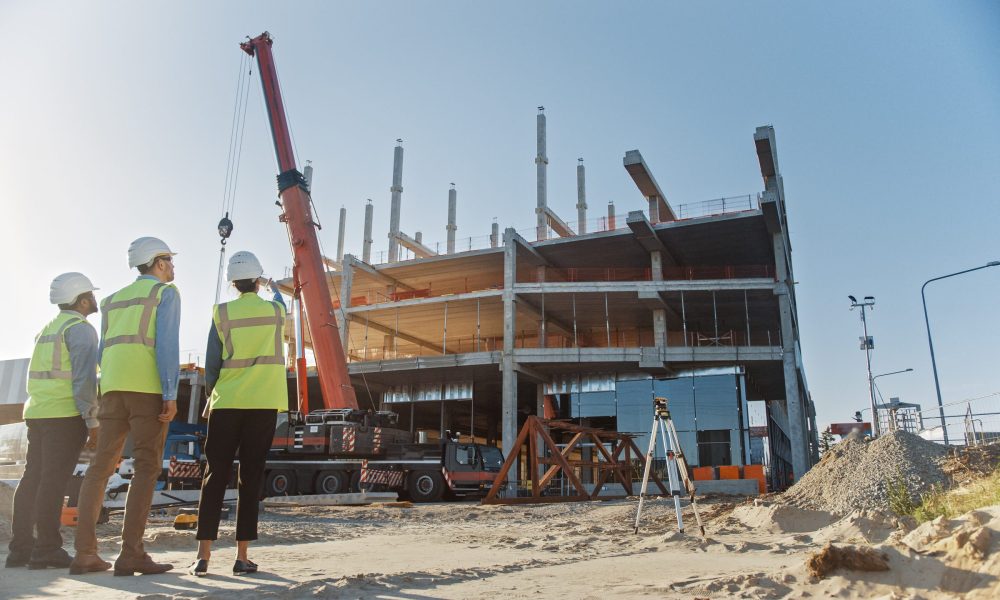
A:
{"x":128,"y":357}
{"x":50,"y":374}
{"x":253,"y":354}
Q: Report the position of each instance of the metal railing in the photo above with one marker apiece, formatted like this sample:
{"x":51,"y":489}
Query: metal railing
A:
{"x":970,"y":422}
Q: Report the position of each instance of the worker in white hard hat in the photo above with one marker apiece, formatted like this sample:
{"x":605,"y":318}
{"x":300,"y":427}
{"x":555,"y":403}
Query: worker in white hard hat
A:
{"x":140,"y":368}
{"x":247,"y":385}
{"x":61,"y":409}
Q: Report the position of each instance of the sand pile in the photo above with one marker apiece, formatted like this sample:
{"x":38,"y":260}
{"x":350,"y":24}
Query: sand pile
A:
{"x":855,"y":473}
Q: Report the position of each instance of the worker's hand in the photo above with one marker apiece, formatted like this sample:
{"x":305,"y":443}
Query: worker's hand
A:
{"x":168,"y":412}
{"x":91,"y":443}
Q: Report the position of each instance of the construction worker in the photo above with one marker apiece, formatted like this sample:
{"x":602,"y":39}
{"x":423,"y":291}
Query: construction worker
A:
{"x":61,"y":409}
{"x":140,"y":367}
{"x":245,"y":373}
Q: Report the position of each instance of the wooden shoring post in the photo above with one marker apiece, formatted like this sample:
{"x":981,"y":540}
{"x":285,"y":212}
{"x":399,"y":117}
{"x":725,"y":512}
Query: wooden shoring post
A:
{"x":617,"y":467}
{"x":652,"y":474}
{"x":536,"y":491}
{"x":511,"y":458}
{"x":561,"y":462}
{"x":565,"y":453}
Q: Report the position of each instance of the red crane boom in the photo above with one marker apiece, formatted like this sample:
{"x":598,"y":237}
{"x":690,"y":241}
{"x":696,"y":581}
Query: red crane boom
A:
{"x":331,"y":362}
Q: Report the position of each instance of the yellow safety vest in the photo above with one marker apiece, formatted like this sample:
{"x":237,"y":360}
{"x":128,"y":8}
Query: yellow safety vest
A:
{"x":253,"y":354}
{"x":128,"y":357}
{"x":50,"y":373}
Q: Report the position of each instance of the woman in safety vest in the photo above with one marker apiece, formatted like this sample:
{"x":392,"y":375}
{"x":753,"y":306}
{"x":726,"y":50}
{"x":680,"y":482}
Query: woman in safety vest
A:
{"x":245,"y":372}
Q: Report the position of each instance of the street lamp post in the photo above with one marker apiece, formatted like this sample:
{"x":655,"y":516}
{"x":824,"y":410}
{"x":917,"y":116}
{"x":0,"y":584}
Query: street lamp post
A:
{"x":930,"y":342}
{"x":867,"y":345}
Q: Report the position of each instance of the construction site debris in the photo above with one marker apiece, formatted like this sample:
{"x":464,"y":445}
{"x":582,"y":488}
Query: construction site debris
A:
{"x":857,"y":473}
{"x":853,"y":558}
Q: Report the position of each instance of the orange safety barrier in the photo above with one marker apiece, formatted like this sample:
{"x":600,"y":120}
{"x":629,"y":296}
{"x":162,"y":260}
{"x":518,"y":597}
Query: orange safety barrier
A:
{"x":704,"y":473}
{"x":729,"y":472}
{"x":756,"y":472}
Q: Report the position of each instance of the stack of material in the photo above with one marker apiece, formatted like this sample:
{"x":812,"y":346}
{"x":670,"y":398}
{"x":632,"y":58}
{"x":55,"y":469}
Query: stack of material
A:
{"x":855,"y":473}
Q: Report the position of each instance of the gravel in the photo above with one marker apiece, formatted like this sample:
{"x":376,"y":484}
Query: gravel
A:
{"x":853,"y":475}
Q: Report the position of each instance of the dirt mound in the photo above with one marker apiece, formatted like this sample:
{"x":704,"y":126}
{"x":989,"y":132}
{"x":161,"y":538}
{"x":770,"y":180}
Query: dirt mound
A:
{"x":851,"y":558}
{"x":856,"y":473}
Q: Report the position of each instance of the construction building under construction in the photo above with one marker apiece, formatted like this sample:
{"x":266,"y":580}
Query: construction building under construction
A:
{"x":589,"y":320}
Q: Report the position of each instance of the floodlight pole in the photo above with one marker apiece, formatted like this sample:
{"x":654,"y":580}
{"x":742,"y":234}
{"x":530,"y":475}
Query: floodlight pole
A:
{"x":864,"y":304}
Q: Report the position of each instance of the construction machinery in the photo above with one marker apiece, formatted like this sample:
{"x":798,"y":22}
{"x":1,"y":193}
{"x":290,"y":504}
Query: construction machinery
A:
{"x":340,"y":448}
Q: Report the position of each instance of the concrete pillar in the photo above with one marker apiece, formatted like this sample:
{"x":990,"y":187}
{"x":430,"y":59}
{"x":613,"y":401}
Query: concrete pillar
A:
{"x":397,"y":198}
{"x":508,"y":374}
{"x":541,"y":165}
{"x":419,"y":237}
{"x":660,"y":327}
{"x":340,"y":234}
{"x":346,"y":282}
{"x":611,"y":216}
{"x":656,"y":265}
{"x":494,"y":235}
{"x":654,"y":209}
{"x":452,"y":209}
{"x":366,"y":252}
{"x":581,"y":198}
{"x":794,"y":401}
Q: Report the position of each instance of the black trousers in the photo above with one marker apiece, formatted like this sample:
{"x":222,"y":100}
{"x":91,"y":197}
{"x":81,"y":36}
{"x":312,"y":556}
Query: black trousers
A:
{"x":54,"y":447}
{"x":248,"y":431}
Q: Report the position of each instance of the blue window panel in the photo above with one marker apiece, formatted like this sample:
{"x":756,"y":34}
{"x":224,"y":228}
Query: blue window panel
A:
{"x":594,"y":404}
{"x":680,"y":400}
{"x":717,"y":403}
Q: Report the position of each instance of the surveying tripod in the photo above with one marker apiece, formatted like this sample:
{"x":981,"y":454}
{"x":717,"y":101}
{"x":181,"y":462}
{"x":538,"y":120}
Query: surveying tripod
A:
{"x":677,"y":471}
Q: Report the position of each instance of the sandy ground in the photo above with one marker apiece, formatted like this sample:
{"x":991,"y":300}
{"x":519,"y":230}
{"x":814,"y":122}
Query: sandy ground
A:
{"x":579,"y":550}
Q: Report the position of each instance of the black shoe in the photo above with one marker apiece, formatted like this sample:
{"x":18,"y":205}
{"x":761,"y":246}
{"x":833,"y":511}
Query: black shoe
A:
{"x":199,"y":568}
{"x":244,"y":567}
{"x":17,"y":560}
{"x":56,"y":559}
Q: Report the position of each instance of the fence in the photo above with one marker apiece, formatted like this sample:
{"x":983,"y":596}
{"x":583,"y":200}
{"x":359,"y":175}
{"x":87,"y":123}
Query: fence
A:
{"x":969,"y":422}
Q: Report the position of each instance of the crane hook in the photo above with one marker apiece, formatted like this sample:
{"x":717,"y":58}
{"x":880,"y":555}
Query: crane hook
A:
{"x":225,"y":228}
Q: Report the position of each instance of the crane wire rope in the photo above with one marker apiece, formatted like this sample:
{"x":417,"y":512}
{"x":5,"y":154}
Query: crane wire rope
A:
{"x":233,"y":160}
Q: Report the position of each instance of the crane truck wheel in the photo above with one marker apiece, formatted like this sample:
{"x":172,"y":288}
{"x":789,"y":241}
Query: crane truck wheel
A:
{"x":280,"y":482}
{"x":330,"y":482}
{"x":425,"y":486}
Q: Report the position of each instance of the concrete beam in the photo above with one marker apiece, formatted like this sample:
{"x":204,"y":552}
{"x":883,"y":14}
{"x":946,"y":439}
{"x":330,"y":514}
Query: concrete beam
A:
{"x":600,"y":287}
{"x":401,"y":335}
{"x":420,"y":250}
{"x":642,"y":229}
{"x":525,"y":245}
{"x":671,"y":354}
{"x":451,"y":298}
{"x":444,"y":361}
{"x":329,"y":262}
{"x":660,"y":209}
{"x":530,"y":374}
{"x":767,"y":155}
{"x":557,"y":224}
{"x":372,"y":271}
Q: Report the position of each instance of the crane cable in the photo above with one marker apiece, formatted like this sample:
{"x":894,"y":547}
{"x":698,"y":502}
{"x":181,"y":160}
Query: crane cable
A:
{"x":235,"y":154}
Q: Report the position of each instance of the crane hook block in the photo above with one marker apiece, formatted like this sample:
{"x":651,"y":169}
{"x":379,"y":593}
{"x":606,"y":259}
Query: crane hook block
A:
{"x":225,"y":228}
{"x":289,"y":178}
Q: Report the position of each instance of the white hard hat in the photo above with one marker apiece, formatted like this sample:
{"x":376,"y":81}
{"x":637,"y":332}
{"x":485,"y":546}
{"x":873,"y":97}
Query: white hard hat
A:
{"x":143,"y":250}
{"x":243,"y":265}
{"x":67,"y":287}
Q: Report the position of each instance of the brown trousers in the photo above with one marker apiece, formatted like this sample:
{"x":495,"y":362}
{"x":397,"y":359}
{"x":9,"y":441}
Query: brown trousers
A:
{"x":121,"y":413}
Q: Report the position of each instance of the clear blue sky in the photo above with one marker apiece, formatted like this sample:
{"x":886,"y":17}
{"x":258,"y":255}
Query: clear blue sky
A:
{"x":115,"y":120}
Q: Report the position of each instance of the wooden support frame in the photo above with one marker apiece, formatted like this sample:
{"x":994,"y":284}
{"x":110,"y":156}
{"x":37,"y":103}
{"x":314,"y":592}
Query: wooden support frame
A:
{"x":543,"y":467}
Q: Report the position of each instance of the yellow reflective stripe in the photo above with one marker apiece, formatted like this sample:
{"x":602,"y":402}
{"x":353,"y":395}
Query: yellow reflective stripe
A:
{"x":227,"y":326}
{"x":50,"y":375}
{"x":149,"y":304}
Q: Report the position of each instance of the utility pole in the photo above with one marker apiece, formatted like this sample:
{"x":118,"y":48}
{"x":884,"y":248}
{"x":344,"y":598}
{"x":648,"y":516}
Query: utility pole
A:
{"x":868,"y":344}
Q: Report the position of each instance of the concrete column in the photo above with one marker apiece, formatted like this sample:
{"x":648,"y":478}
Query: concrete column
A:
{"x":541,"y":165}
{"x":654,"y":209}
{"x":397,"y":199}
{"x":346,"y":282}
{"x":656,"y":265}
{"x":794,"y":401}
{"x":508,"y":374}
{"x":611,"y":216}
{"x":452,"y":209}
{"x":660,"y":327}
{"x":193,"y":404}
{"x":494,"y":235}
{"x":581,"y":198}
{"x":340,"y":234}
{"x":366,"y":252}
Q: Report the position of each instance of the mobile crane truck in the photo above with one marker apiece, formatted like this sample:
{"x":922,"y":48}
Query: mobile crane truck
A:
{"x":340,"y":448}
